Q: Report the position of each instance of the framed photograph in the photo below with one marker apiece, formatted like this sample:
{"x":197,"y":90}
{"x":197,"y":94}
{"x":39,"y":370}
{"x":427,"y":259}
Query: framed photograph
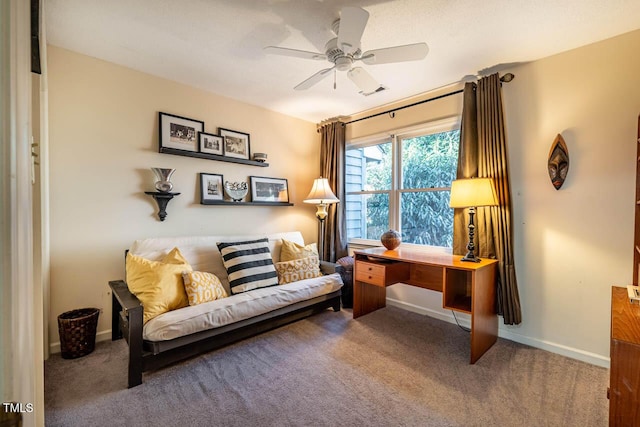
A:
{"x":269,"y":189}
{"x":179,"y":133}
{"x":210,"y":143}
{"x":211,"y":187}
{"x":236,"y":144}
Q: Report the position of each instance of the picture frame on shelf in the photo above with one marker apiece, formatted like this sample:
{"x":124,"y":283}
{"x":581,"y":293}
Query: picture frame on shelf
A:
{"x":264,"y":189}
{"x":210,"y":143}
{"x":236,"y":144}
{"x":179,"y":133}
{"x":211,"y":187}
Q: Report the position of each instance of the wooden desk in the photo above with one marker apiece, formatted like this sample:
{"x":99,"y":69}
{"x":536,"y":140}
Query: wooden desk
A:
{"x":624,"y":385}
{"x":466,"y":287}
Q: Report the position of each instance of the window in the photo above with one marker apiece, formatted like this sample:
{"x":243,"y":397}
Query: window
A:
{"x":402,"y":182}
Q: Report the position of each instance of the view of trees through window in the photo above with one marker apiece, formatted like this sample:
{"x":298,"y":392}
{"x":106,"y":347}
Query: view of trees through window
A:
{"x":428,"y":165}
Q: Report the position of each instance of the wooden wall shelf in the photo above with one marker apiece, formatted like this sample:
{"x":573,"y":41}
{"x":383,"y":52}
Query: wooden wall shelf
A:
{"x":228,"y":203}
{"x":166,"y":150}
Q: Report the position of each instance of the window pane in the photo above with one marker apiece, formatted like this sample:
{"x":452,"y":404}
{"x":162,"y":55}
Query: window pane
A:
{"x":427,"y":218}
{"x":430,"y":161}
{"x":369,"y":168}
{"x":367,"y":215}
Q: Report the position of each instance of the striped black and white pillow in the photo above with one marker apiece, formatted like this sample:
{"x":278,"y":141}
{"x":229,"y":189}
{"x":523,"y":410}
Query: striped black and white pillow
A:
{"x":249,"y":265}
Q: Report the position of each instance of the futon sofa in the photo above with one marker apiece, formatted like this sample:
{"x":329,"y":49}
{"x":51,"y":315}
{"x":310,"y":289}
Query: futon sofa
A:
{"x":193,"y":329}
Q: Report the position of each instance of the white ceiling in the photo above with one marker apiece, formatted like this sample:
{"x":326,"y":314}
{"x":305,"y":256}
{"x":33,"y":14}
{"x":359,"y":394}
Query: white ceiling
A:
{"x":216,"y":45}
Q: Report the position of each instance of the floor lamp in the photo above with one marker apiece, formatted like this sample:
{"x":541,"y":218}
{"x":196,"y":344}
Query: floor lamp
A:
{"x":321,"y":195}
{"x":471,"y":193}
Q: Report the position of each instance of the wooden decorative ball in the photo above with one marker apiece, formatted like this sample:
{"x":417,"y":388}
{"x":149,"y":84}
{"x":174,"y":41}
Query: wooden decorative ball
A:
{"x":391,"y":239}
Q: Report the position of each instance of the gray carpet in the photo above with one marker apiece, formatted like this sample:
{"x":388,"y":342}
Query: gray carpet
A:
{"x":389,"y":368}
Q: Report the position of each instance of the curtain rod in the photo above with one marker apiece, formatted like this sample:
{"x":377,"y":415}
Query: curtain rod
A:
{"x":393,"y":110}
{"x":506,"y":78}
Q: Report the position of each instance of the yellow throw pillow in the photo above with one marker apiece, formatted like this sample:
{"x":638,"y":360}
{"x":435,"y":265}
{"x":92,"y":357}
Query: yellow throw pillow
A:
{"x":174,"y":257}
{"x":292,"y":250}
{"x":297,"y":269}
{"x":202,"y":287}
{"x":158,"y":284}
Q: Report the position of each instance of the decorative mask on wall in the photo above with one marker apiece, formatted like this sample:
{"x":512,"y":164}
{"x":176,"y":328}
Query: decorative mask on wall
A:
{"x":558,"y":162}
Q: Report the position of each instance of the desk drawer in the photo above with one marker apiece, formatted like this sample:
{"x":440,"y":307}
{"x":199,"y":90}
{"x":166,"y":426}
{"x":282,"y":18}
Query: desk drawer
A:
{"x":370,"y":273}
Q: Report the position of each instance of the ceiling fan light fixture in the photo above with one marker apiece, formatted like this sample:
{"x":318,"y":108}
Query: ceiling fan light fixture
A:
{"x":344,"y":63}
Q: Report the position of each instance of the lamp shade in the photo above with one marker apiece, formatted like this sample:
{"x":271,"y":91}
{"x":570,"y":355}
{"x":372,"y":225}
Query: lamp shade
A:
{"x":472,"y":192}
{"x":321,"y":193}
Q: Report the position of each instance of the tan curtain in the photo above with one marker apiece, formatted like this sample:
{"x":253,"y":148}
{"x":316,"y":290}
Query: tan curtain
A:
{"x":494,"y":232}
{"x":332,"y":155}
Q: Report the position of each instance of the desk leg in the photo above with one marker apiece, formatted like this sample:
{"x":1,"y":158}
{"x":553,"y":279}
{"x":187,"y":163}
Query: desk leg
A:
{"x":367,"y":298}
{"x":484,"y":321}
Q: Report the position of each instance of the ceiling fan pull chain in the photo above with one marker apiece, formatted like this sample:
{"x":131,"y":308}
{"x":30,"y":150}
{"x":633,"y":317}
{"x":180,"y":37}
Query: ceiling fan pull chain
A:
{"x":334,"y":79}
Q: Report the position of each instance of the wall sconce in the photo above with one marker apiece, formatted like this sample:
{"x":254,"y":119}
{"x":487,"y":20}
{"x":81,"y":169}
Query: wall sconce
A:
{"x":164,"y":187}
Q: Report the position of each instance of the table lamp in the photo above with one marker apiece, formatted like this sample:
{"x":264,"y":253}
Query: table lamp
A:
{"x":321,"y":195}
{"x":471,"y":193}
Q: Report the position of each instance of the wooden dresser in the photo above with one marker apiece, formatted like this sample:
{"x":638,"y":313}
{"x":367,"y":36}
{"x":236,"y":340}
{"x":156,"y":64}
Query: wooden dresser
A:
{"x":624,"y":385}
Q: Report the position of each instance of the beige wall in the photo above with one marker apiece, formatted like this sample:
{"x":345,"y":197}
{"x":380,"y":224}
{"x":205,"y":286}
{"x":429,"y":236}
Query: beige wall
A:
{"x":103,"y":140}
{"x":571,"y":245}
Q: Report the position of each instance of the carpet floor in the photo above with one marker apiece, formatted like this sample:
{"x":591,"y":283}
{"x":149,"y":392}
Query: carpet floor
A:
{"x":388,"y":368}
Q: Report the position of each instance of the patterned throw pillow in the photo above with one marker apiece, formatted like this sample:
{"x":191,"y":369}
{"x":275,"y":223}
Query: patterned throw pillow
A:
{"x":298,"y":269}
{"x":202,"y":287}
{"x":249,"y":264}
{"x":157,"y":284}
{"x":292,"y":250}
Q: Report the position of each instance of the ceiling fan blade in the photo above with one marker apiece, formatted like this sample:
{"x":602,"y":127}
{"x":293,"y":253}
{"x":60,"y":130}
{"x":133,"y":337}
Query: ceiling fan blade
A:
{"x":409,"y":52}
{"x":363,"y":80}
{"x":314,"y":79}
{"x":275,"y":50}
{"x":352,"y":23}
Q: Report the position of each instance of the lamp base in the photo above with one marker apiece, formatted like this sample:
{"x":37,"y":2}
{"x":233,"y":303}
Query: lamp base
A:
{"x":321,"y":237}
{"x":470,"y":257}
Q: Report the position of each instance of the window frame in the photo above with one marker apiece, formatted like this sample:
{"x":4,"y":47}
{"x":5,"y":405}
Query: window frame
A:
{"x":395,"y":137}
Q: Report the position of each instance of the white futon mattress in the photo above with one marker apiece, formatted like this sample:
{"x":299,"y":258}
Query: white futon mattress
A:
{"x":188,"y":320}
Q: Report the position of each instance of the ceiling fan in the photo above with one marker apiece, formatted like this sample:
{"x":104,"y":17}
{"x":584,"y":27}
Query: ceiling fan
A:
{"x":344,"y":51}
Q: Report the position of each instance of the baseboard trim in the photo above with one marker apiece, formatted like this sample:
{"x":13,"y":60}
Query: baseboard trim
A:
{"x":573,"y":353}
{"x":100,"y":336}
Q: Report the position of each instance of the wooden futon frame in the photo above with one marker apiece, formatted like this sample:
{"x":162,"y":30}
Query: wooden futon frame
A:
{"x":126,"y":321}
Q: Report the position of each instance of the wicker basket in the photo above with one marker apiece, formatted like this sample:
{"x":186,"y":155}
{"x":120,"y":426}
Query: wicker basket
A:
{"x":77,"y":330}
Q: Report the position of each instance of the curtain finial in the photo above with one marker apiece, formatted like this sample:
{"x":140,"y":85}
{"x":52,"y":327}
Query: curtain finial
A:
{"x":507,"y":77}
